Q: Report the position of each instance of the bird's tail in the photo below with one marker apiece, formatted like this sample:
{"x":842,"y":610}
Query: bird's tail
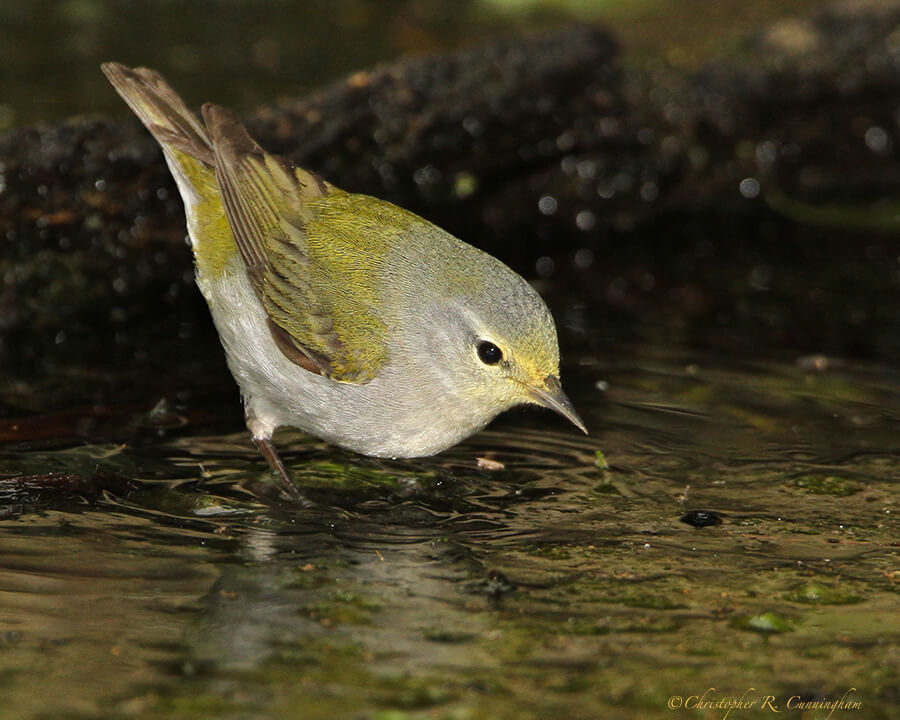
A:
{"x":188,"y":151}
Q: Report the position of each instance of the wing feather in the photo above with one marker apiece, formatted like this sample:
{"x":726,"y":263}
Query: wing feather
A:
{"x":301,"y":280}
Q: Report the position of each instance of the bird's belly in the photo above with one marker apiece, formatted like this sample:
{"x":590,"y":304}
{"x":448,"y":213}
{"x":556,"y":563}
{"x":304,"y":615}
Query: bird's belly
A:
{"x":380,"y":417}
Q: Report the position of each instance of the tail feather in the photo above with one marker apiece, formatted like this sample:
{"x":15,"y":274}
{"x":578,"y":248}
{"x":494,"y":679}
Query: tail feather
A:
{"x":189,"y":154}
{"x":161,"y":110}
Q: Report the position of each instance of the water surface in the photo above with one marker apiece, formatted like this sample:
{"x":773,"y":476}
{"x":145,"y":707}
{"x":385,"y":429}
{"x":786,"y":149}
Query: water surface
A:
{"x":729,"y":524}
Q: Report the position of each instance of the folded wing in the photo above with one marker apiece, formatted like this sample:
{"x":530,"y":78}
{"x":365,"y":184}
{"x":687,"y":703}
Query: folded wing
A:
{"x":314,"y":270}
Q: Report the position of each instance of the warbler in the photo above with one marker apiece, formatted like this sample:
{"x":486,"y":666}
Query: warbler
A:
{"x":340,"y":314}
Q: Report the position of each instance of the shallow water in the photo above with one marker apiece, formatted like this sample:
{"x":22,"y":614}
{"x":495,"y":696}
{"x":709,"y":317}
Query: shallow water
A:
{"x":738,"y":531}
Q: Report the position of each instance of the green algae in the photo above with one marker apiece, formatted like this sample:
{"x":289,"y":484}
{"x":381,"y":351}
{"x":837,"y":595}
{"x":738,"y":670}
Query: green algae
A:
{"x":764,"y":623}
{"x":342,"y":608}
{"x":819,"y":594}
{"x":827,"y":485}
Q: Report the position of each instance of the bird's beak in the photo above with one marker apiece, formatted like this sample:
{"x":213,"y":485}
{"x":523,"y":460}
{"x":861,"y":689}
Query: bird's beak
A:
{"x":551,"y":396}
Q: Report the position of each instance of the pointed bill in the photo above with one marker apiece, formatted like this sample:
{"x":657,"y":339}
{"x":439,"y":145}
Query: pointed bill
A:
{"x":552,"y":396}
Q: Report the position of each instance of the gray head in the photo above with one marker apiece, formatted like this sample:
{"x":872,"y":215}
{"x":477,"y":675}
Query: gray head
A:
{"x":489,"y":338}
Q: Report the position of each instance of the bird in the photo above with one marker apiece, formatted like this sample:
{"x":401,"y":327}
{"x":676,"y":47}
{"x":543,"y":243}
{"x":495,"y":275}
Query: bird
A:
{"x":340,"y":314}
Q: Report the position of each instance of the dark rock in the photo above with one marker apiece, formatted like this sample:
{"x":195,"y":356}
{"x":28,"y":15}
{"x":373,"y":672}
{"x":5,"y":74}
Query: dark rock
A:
{"x":662,"y":204}
{"x":93,"y":261}
{"x":469,"y":138}
{"x":701,"y":518}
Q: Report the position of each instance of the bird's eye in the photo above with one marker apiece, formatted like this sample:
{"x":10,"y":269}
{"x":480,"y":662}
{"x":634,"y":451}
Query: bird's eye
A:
{"x":489,"y":353}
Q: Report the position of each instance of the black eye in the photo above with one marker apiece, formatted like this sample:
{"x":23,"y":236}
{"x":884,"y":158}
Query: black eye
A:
{"x":489,"y":353}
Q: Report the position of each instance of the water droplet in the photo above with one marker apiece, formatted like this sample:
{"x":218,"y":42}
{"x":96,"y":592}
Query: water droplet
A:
{"x":647,"y":281}
{"x":615,"y":291}
{"x":760,"y":277}
{"x":472,"y":125}
{"x":587,"y":169}
{"x":548,"y":205}
{"x":566,"y":141}
{"x":609,"y":126}
{"x":428,"y":175}
{"x":749,"y":188}
{"x":385,"y":170}
{"x":606,"y":191}
{"x":545,"y":266}
{"x":645,"y":136}
{"x":464,"y":184}
{"x":569,"y":164}
{"x":877,"y":140}
{"x":766,"y":153}
{"x":670,"y":145}
{"x":622,"y":182}
{"x":673,"y":113}
{"x":649,"y":191}
{"x":585,"y":220}
{"x":584,"y":258}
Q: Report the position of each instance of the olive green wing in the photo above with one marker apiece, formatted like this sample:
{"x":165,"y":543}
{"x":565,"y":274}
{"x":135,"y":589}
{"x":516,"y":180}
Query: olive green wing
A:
{"x":315,"y":281}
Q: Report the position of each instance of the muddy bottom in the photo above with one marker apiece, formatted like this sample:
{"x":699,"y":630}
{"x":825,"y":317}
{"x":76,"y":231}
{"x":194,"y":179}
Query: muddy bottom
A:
{"x":728,"y":528}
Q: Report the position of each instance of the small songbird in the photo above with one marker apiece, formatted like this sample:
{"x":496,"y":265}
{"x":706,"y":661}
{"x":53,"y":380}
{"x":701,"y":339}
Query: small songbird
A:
{"x":343,"y":315}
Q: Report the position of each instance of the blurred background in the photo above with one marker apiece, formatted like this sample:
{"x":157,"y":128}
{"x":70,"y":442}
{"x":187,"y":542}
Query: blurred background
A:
{"x":715,"y":175}
{"x":244,"y":53}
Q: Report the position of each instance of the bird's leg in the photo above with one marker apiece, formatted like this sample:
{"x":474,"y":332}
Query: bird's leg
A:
{"x":265,"y":446}
{"x":262,"y":438}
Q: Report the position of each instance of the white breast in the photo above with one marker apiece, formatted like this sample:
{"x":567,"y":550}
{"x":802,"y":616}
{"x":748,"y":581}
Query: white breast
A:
{"x":398,"y":414}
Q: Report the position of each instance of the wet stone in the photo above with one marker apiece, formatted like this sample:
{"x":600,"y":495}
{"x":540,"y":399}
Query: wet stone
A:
{"x":701,"y":518}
